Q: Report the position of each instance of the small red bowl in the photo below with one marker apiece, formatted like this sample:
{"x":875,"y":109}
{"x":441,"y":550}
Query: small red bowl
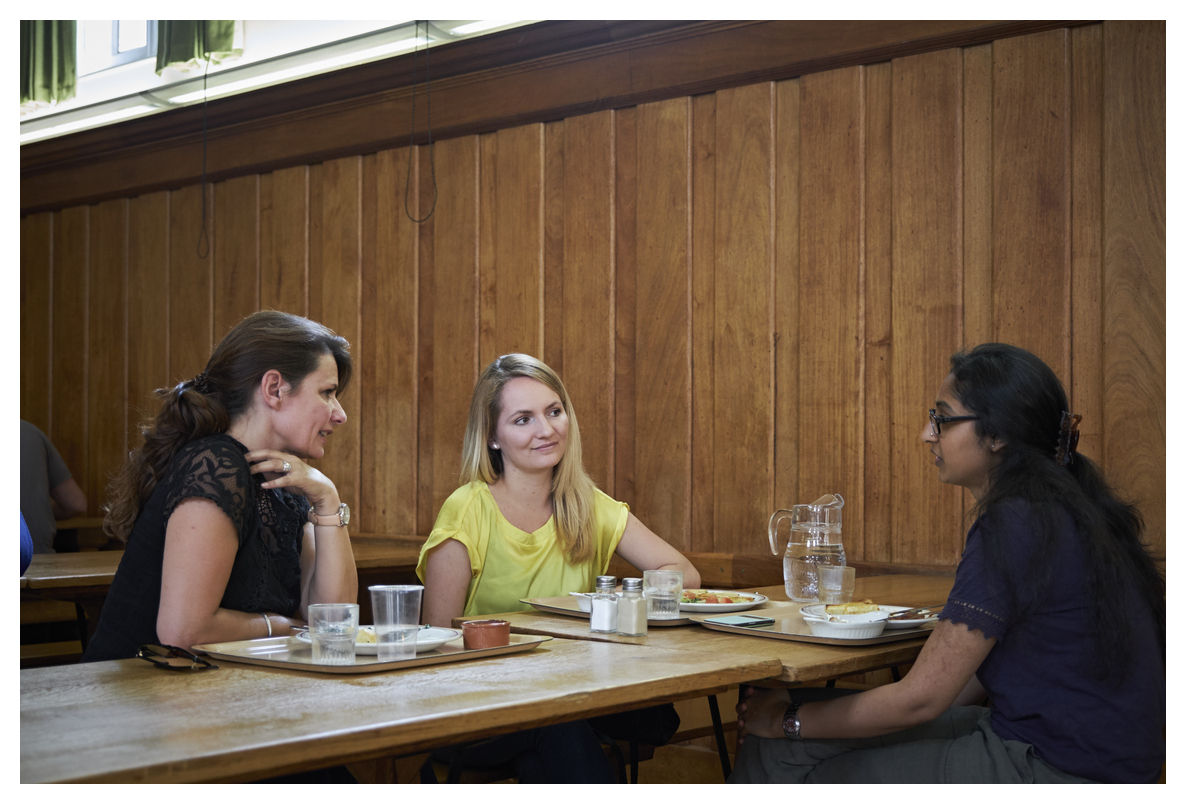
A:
{"x":478,"y":634}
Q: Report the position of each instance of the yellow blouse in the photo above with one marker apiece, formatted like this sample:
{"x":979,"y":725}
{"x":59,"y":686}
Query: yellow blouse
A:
{"x":508,"y":563}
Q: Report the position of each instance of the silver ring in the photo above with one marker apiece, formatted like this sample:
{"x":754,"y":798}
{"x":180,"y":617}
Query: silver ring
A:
{"x":287,"y":467}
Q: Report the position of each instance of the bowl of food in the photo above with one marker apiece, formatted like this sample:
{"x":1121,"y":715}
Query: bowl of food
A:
{"x":848,"y":626}
{"x":478,"y":634}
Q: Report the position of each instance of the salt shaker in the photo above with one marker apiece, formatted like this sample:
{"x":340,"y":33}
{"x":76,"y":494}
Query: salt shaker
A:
{"x":632,"y":609}
{"x":603,"y":617}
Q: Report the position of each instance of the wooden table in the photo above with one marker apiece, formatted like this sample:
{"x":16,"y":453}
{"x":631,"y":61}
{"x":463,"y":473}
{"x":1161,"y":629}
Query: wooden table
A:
{"x":802,"y":662}
{"x":126,"y":721}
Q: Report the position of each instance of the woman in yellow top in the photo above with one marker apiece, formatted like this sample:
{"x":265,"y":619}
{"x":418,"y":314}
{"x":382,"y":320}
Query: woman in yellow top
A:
{"x":528,"y":521}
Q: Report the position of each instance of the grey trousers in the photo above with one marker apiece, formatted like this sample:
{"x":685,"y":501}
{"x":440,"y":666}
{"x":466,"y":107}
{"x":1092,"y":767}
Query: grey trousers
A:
{"x":959,"y":746}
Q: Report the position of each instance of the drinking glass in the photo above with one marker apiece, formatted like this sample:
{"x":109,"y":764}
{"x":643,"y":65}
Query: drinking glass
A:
{"x":836,"y":584}
{"x":662,"y":589}
{"x":333,"y":627}
{"x":397,"y":620}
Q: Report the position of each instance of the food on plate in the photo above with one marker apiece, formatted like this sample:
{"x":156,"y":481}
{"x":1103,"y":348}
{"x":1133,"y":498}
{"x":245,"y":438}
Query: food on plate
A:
{"x":856,"y":607}
{"x":713,"y":596}
{"x":366,"y":635}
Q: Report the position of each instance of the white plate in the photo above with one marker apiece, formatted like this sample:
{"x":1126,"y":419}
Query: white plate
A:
{"x":816,"y":610}
{"x":427,"y":639}
{"x":754,"y":600}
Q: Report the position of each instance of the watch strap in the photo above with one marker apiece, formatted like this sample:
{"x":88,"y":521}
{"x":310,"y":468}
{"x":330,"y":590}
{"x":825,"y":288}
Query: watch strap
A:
{"x":339,"y":519}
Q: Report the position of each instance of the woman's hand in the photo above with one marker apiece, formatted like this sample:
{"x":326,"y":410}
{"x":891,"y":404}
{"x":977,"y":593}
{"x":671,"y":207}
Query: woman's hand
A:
{"x":760,"y":711}
{"x":300,"y":477}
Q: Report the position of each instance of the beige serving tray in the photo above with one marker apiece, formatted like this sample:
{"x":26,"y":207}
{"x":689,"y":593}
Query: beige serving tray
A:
{"x":296,"y":655}
{"x":791,"y":626}
{"x":569,"y":607}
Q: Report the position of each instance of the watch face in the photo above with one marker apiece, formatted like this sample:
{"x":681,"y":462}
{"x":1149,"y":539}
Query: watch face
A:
{"x":344,"y":514}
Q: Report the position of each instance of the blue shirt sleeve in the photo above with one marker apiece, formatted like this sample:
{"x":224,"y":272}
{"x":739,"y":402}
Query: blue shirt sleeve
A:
{"x":26,"y":546}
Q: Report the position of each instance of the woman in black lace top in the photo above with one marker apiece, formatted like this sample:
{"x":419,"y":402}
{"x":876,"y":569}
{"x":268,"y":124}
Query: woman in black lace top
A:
{"x":230,"y":533}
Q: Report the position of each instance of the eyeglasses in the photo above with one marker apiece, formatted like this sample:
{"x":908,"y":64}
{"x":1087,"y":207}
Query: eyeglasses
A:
{"x":937,"y":422}
{"x":171,"y":658}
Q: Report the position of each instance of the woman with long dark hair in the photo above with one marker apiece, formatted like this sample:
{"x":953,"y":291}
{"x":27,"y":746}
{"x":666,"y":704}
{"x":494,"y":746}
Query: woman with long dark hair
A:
{"x":230,"y":532}
{"x":1057,"y":618}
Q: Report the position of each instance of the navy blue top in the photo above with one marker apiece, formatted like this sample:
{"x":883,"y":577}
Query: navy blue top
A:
{"x":1039,"y":674}
{"x":266,"y":575}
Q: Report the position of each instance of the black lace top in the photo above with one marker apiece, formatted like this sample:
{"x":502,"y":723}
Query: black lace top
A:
{"x":266,"y":575}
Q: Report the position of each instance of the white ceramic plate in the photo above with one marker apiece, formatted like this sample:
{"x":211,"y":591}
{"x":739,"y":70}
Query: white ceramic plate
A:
{"x":753,"y":600}
{"x":427,"y":639}
{"x":816,"y":610}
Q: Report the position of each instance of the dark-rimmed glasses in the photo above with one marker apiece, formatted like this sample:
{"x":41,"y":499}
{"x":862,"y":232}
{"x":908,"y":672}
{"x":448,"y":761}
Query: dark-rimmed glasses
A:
{"x":937,"y":421}
{"x":171,"y":658}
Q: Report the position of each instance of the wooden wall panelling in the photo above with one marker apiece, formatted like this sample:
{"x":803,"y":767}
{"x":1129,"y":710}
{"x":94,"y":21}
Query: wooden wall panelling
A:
{"x":284,"y":240}
{"x":662,"y":345}
{"x":1031,"y":215}
{"x":743,"y":441}
{"x":107,"y":349}
{"x":830,"y":359}
{"x":928,"y":100}
{"x":662,"y":358}
{"x":788,"y":206}
{"x":1135,"y":267}
{"x":625,"y":269}
{"x":148,"y":310}
{"x":554,"y":223}
{"x":452,"y":339}
{"x":424,"y":196}
{"x":703,"y":321}
{"x":70,"y":285}
{"x":191,"y":289}
{"x":388,"y":409}
{"x":587,"y":313}
{"x":36,"y":317}
{"x":511,"y":243}
{"x":236,"y":252}
{"x":875,"y":540}
{"x":335,"y":298}
{"x":977,"y":187}
{"x":1085,"y":383}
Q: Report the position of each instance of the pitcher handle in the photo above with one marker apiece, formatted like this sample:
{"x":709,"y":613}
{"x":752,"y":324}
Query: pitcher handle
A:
{"x":775,"y":518}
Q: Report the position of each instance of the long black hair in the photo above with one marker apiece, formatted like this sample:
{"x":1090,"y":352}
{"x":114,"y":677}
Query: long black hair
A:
{"x":1021,"y":402}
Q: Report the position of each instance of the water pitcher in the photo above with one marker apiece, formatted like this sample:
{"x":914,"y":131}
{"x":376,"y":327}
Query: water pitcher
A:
{"x":814,"y":540}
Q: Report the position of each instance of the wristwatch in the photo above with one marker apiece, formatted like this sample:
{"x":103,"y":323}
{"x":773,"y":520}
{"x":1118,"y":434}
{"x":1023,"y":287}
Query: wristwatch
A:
{"x":339,"y":520}
{"x":790,"y":722}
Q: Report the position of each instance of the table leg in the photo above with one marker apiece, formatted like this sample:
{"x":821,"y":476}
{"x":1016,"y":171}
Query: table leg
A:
{"x":719,"y":729}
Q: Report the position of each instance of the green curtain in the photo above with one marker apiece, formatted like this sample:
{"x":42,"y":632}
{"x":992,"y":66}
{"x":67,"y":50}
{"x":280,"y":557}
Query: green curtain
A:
{"x":185,"y":44}
{"x":49,"y":51}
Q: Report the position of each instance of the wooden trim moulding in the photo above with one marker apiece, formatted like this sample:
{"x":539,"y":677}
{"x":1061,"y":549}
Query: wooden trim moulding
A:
{"x":545,"y":71}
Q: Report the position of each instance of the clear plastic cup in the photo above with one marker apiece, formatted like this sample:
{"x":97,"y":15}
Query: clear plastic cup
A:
{"x":397,"y":620}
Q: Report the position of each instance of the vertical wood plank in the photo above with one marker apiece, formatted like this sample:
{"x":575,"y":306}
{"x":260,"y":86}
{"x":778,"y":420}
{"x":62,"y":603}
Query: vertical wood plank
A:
{"x":68,"y":369}
{"x":106,"y":355}
{"x":662,"y":348}
{"x":1085,"y":383}
{"x":703,"y":321}
{"x":148,"y":310}
{"x":335,"y":295}
{"x":875,"y":540}
{"x":555,"y":212}
{"x":587,"y":316}
{"x":36,"y":318}
{"x":625,"y":262}
{"x":424,"y":196}
{"x":236,"y":252}
{"x":191,"y":289}
{"x":1031,"y":205}
{"x":453,"y":337}
{"x":512,"y":243}
{"x":977,"y":198}
{"x":830,"y":388}
{"x":787,"y":211}
{"x":926,"y":293}
{"x":284,"y":240}
{"x":743,"y":371}
{"x":388,"y":409}
{"x":1135,"y":267}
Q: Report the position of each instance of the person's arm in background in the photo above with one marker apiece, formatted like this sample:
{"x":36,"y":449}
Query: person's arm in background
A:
{"x":646,"y":551}
{"x":68,"y":499}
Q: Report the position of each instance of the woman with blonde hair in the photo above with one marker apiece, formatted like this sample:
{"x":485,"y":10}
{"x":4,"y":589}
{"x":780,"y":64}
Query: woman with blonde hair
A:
{"x":528,"y":521}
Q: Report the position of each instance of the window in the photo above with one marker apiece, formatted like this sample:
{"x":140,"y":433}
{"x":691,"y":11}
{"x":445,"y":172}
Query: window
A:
{"x":103,"y":44}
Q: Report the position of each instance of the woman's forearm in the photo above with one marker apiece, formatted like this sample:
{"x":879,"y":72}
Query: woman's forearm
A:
{"x":335,"y":576}
{"x":224,"y":625}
